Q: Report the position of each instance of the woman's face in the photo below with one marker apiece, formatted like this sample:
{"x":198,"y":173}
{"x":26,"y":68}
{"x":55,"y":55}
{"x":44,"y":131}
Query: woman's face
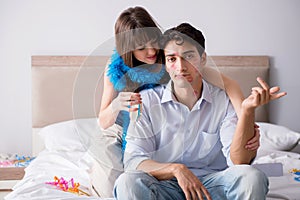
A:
{"x":146,"y":53}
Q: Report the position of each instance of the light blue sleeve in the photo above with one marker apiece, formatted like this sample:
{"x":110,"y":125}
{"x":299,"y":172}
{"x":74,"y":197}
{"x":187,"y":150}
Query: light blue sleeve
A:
{"x":140,"y":140}
{"x":227,"y":131}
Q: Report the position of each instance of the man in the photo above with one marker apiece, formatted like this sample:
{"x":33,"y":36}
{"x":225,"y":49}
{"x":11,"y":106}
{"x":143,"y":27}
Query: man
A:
{"x":188,"y":142}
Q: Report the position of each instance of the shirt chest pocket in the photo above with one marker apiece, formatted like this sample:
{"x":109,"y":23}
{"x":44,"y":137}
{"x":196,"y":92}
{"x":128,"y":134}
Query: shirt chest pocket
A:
{"x":201,"y":144}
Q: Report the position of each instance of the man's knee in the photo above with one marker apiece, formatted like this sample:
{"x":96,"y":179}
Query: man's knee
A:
{"x":129,"y":185}
{"x":252,"y":178}
{"x":251,"y":174}
{"x":124,"y":181}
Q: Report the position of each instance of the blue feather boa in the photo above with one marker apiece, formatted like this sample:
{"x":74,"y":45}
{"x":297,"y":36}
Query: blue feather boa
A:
{"x":117,"y":73}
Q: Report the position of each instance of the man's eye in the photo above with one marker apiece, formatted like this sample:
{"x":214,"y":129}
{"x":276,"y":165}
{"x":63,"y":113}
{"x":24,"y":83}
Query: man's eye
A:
{"x":171,"y":59}
{"x":188,"y":56}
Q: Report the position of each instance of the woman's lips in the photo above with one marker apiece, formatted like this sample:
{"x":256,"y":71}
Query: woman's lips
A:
{"x":152,"y":58}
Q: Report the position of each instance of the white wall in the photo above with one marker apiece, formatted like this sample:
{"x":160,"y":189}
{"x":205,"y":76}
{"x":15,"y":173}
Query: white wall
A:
{"x":66,"y":27}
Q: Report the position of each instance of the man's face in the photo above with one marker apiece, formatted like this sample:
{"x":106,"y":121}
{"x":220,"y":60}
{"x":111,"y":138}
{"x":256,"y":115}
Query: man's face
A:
{"x":183,"y":63}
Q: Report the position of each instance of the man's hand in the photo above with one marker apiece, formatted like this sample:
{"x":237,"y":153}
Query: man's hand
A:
{"x":193,"y":189}
{"x":190,"y":184}
{"x":262,"y":95}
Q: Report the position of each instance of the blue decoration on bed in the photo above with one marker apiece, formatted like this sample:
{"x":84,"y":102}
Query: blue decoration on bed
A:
{"x":119,"y":72}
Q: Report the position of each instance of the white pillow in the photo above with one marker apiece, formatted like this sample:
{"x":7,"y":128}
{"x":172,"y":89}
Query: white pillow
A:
{"x":85,"y":135}
{"x":73,"y":135}
{"x":277,"y":137}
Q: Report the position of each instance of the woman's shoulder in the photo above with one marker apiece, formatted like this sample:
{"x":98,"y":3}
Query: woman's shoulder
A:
{"x":116,"y":70}
{"x":116,"y":65}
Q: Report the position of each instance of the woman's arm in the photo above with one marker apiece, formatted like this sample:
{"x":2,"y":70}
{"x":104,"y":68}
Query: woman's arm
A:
{"x":234,"y":92}
{"x":231,"y":87}
{"x":107,"y":116}
{"x":112,"y":103}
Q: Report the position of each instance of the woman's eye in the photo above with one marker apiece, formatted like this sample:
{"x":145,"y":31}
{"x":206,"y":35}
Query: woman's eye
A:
{"x":140,"y":48}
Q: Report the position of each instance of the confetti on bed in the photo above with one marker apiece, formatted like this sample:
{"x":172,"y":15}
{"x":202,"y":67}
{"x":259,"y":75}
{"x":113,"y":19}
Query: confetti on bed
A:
{"x":67,"y":186}
{"x":297,"y":173}
{"x":7,"y":160}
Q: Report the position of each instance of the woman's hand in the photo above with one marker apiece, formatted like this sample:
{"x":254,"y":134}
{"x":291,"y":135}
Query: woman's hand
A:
{"x":125,"y":100}
{"x":253,"y":144}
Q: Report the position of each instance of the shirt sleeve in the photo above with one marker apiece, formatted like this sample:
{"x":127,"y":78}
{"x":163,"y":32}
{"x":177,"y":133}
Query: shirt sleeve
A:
{"x":227,"y":131}
{"x":140,"y":142}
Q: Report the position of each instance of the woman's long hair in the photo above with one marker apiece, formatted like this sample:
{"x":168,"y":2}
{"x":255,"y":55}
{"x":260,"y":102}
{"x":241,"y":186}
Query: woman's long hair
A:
{"x":135,"y":27}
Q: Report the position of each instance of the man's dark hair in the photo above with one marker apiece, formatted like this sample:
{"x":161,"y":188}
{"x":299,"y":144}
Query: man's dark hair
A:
{"x":184,"y":32}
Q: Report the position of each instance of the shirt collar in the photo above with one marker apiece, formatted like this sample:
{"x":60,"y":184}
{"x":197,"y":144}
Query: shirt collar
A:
{"x":169,"y":96}
{"x":206,"y":92}
{"x":167,"y":93}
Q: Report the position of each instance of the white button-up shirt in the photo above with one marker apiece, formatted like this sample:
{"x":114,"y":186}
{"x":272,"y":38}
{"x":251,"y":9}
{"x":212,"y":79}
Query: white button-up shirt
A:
{"x":167,"y":131}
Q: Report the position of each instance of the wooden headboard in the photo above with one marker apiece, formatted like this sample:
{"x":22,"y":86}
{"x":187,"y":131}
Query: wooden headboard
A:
{"x":70,"y":87}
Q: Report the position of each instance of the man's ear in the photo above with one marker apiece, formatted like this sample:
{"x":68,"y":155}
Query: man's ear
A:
{"x":203,"y":59}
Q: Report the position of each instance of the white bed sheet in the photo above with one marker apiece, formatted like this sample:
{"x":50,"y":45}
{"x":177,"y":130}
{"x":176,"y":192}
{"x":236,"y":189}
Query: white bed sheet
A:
{"x":284,"y":187}
{"x":77,"y":165}
{"x":48,"y":164}
{"x":66,"y":156}
{"x":281,"y":187}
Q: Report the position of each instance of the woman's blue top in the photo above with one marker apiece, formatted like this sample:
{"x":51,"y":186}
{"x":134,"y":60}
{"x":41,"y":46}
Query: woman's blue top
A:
{"x":121,"y":76}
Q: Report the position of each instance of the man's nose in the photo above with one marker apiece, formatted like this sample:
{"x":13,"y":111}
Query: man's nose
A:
{"x":181,"y":64}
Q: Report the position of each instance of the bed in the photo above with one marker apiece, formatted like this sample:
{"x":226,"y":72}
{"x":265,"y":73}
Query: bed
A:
{"x":66,"y":93}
